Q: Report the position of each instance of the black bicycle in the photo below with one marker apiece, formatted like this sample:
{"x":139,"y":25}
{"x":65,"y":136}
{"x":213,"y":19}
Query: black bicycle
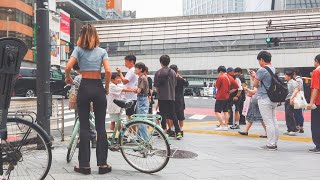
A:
{"x":25,"y":149}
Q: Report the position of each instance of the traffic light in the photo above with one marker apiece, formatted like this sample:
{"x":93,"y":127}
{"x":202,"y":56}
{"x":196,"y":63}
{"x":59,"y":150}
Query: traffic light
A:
{"x":275,"y":41}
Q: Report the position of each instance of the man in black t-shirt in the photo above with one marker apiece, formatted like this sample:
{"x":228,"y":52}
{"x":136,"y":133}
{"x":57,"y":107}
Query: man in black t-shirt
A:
{"x":242,"y":98}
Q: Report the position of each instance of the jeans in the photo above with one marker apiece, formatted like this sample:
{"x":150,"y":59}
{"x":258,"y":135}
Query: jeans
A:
{"x":268,"y":113}
{"x":290,"y":120}
{"x":298,"y":115}
{"x":142,"y":108}
{"x":92,"y":90}
{"x":315,"y":126}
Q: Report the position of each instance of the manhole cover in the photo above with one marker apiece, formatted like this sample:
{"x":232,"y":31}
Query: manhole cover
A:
{"x":179,"y":154}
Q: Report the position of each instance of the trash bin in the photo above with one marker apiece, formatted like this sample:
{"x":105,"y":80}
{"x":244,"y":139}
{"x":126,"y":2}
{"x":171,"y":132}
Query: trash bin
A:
{"x":12,"y":51}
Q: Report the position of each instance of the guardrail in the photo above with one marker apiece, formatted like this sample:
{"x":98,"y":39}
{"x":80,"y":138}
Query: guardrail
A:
{"x":27,"y":108}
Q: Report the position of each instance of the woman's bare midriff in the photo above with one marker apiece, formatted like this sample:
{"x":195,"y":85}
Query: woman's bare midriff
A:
{"x":91,"y":75}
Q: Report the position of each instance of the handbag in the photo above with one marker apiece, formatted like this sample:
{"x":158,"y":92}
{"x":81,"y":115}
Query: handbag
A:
{"x":300,"y":101}
{"x":72,"y":98}
{"x":246,"y":106}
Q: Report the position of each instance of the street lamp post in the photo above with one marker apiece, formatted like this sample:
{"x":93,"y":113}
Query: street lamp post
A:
{"x":8,"y":23}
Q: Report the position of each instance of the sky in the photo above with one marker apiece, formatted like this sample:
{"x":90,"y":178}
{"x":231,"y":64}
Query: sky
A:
{"x":154,"y":8}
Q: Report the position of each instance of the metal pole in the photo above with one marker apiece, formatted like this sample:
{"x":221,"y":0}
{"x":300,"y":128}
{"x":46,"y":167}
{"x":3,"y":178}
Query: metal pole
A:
{"x":272,"y":4}
{"x":8,"y":26}
{"x":44,"y":97}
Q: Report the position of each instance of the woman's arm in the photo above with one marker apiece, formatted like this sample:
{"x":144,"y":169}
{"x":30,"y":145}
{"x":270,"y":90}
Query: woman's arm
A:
{"x":107,"y":71}
{"x":294,"y":94}
{"x":72,"y":61}
{"x":251,"y":91}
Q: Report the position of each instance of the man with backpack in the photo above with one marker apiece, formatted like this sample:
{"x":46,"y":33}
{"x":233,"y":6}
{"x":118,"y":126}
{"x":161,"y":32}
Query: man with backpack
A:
{"x":270,"y":91}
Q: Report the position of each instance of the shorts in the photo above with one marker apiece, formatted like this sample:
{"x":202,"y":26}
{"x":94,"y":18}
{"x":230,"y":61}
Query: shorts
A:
{"x":115,"y":117}
{"x":180,"y":115}
{"x":221,"y":106}
{"x":237,"y":104}
{"x":167,"y":108}
{"x":131,"y":111}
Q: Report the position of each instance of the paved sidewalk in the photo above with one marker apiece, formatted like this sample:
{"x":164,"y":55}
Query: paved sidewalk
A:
{"x":219,"y":157}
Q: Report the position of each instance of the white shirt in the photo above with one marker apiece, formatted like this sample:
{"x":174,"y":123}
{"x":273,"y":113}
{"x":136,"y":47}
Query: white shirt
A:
{"x":115,"y":92}
{"x":133,"y":83}
{"x":239,"y":84}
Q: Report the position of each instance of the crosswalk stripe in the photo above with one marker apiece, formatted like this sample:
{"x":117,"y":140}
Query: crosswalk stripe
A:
{"x":197,"y":117}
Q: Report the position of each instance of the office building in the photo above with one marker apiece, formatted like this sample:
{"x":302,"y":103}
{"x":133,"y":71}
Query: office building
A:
{"x":200,"y":44}
{"x":297,"y":4}
{"x":85,"y":10}
{"x":16,"y":20}
{"x":201,"y":7}
{"x":114,"y":9}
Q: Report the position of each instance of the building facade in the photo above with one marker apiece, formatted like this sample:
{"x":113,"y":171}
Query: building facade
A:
{"x":16,"y":20}
{"x":199,"y":44}
{"x":201,"y":7}
{"x":297,"y":4}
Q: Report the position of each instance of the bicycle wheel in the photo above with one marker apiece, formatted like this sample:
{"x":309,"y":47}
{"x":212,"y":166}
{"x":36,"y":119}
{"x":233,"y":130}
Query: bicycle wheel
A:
{"x":144,"y":146}
{"x":73,"y":141}
{"x":26,"y":154}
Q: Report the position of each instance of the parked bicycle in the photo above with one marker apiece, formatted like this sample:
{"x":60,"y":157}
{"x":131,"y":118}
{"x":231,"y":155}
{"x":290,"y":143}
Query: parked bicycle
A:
{"x":148,"y":153}
{"x":25,"y":149}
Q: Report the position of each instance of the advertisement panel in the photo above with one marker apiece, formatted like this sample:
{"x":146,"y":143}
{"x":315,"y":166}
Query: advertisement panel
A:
{"x":65,"y":26}
{"x":110,"y":4}
{"x":118,"y":6}
{"x":54,"y":24}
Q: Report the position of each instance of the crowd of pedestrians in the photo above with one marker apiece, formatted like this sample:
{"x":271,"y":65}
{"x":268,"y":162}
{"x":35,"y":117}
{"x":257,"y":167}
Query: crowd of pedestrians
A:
{"x":261,"y":101}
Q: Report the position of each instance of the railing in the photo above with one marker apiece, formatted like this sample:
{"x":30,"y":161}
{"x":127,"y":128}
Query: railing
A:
{"x":27,"y":108}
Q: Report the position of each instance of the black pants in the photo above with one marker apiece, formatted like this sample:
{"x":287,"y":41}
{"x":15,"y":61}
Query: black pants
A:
{"x":290,"y":120}
{"x":167,"y":109}
{"x":93,"y":134}
{"x":315,"y":126}
{"x":92,"y":90}
{"x":242,"y":117}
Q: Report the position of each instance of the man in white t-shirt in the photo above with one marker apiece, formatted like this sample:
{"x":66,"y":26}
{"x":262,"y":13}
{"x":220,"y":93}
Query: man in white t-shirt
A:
{"x":130,"y":81}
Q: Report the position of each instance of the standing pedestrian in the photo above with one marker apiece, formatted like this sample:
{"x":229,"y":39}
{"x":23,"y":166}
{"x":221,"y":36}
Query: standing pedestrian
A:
{"x":315,"y":106}
{"x":142,"y":101}
{"x":165,"y":82}
{"x":298,"y":113}
{"x":289,"y":109}
{"x":262,"y":81}
{"x":150,"y":97}
{"x":238,"y":73}
{"x":130,"y":81}
{"x":179,"y":102}
{"x":235,"y":99}
{"x":91,"y":58}
{"x":223,"y":85}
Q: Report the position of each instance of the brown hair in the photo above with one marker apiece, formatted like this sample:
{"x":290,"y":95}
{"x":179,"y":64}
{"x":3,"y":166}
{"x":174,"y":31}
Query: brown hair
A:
{"x":89,"y":38}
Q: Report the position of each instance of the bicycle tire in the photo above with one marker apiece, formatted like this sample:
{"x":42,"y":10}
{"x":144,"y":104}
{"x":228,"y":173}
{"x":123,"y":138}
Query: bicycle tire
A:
{"x":40,"y":134}
{"x":161,"y":134}
{"x":73,"y":143}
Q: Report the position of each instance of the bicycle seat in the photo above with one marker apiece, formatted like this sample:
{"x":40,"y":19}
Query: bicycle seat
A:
{"x":123,"y":103}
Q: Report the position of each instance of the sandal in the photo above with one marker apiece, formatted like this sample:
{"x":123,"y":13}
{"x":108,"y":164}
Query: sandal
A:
{"x":243,"y":133}
{"x":263,"y":136}
{"x":105,"y":169}
{"x":85,"y":171}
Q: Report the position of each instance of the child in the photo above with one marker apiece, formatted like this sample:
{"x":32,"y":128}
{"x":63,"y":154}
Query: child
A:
{"x":116,"y":91}
{"x":142,"y":100}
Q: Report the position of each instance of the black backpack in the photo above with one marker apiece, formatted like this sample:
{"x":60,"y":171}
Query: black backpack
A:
{"x":278,"y":90}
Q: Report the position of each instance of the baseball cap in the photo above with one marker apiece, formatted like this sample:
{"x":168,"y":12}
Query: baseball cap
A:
{"x":230,"y":69}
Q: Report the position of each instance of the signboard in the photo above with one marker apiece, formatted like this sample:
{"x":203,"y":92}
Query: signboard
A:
{"x":52,"y":5}
{"x":65,"y":26}
{"x":54,"y":24}
{"x":110,"y":4}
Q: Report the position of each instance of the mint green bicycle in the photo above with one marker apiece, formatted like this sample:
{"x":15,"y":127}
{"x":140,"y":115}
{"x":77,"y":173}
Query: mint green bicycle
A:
{"x":141,"y":141}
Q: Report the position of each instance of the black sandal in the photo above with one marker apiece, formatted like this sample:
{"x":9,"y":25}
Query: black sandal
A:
{"x":105,"y":170}
{"x":243,"y":133}
{"x":85,"y":171}
{"x":263,"y":136}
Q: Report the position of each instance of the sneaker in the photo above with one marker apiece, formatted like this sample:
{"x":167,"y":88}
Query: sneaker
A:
{"x":314,"y":150}
{"x":182,"y":133}
{"x":179,"y":136}
{"x":171,"y":133}
{"x":286,"y":133}
{"x":292,"y":133}
{"x":218,"y":125}
{"x":269,"y":148}
{"x":301,"y":130}
{"x":222,"y":128}
{"x":235,"y":127}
